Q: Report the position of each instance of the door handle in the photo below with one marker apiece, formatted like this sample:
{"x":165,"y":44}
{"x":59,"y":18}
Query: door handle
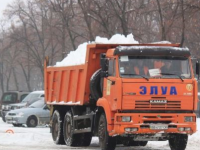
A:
{"x":112,"y":82}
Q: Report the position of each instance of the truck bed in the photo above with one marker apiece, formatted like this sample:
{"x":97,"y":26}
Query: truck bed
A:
{"x":70,"y":85}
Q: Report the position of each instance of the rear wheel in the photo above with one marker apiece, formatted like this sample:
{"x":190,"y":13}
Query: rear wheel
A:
{"x":57,"y":128}
{"x":105,"y":141}
{"x":70,"y":138}
{"x":178,"y":141}
{"x":32,"y":121}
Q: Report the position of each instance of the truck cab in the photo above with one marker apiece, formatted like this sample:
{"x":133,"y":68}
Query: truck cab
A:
{"x":151,"y":93}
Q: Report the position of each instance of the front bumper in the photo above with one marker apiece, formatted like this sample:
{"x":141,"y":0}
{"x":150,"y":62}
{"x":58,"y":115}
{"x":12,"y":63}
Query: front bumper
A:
{"x":144,"y":122}
{"x":15,"y":120}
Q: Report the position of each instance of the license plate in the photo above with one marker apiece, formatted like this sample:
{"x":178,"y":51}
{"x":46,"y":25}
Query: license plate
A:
{"x":9,"y":118}
{"x":158,"y":127}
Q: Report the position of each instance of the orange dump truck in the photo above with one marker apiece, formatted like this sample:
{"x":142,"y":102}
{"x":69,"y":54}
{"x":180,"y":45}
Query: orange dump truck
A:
{"x":124,"y":94}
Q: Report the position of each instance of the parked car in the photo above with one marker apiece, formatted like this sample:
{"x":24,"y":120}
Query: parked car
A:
{"x":36,"y":114}
{"x":29,"y":99}
{"x":24,"y":103}
{"x":11,"y":97}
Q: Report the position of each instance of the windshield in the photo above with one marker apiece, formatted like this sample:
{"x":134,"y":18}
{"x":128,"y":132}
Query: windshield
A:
{"x":38,"y":104}
{"x":9,"y":97}
{"x":30,"y":97}
{"x":23,"y":96}
{"x":154,"y":67}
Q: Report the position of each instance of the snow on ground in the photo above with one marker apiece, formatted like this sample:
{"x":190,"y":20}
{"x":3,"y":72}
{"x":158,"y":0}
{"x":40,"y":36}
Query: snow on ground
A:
{"x":80,"y":52}
{"x":40,"y":139}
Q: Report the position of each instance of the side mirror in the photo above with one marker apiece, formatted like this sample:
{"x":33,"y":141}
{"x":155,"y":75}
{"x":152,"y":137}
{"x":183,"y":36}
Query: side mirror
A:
{"x":45,"y":107}
{"x":104,"y":62}
{"x":197,"y":69}
{"x":104,"y":65}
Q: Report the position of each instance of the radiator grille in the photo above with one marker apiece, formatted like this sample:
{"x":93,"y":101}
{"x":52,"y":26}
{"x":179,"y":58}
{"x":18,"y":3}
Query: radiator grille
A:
{"x":140,"y":104}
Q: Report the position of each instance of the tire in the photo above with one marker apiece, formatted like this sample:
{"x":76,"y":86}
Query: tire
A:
{"x":178,"y":141}
{"x":135,"y":143}
{"x":4,"y":119}
{"x":105,"y":141}
{"x":70,"y":138}
{"x":57,"y":128}
{"x":17,"y":125}
{"x":96,"y":85}
{"x":32,"y":121}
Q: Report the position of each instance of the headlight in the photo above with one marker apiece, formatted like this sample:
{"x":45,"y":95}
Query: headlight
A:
{"x":189,"y":119}
{"x":20,"y":114}
{"x":126,"y":118}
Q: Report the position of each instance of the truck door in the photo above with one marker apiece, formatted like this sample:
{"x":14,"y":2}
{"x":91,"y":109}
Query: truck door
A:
{"x":110,"y":83}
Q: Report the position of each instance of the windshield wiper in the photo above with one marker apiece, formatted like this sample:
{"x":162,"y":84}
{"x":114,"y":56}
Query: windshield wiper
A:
{"x":172,"y":74}
{"x":138,"y":75}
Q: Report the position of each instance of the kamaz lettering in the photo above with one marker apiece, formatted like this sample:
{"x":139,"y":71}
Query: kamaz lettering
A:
{"x":154,"y":90}
{"x":158,"y":101}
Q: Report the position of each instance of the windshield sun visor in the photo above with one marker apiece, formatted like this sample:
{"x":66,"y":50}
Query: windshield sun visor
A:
{"x":152,"y":50}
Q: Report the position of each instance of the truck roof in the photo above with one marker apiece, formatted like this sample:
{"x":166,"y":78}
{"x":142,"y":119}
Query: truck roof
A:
{"x":152,"y":50}
{"x":107,"y":46}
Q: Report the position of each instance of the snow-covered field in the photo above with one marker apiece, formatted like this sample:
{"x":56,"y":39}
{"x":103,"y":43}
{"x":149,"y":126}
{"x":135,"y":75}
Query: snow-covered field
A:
{"x":40,"y":139}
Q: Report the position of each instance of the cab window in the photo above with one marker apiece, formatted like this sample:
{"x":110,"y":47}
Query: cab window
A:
{"x":111,"y":67}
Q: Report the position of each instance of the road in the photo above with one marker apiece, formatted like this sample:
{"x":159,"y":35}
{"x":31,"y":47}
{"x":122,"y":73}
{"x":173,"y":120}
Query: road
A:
{"x":39,"y":138}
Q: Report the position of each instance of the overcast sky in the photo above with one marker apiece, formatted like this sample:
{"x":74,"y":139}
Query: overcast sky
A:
{"x":3,"y":4}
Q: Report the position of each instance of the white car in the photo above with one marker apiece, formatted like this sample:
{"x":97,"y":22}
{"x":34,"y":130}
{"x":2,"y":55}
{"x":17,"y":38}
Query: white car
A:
{"x":28,"y":100}
{"x":35,"y":114}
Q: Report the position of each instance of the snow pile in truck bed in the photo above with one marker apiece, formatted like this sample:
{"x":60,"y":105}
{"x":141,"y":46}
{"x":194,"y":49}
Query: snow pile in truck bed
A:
{"x":117,"y":39}
{"x":78,"y":56}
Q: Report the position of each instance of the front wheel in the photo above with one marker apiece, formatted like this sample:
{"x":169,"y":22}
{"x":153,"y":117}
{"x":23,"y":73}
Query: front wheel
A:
{"x":32,"y":121}
{"x":105,"y":141}
{"x":178,"y":141}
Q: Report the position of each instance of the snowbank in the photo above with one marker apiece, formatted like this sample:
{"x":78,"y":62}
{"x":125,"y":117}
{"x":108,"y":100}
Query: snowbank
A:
{"x":40,"y":138}
{"x":78,"y":56}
